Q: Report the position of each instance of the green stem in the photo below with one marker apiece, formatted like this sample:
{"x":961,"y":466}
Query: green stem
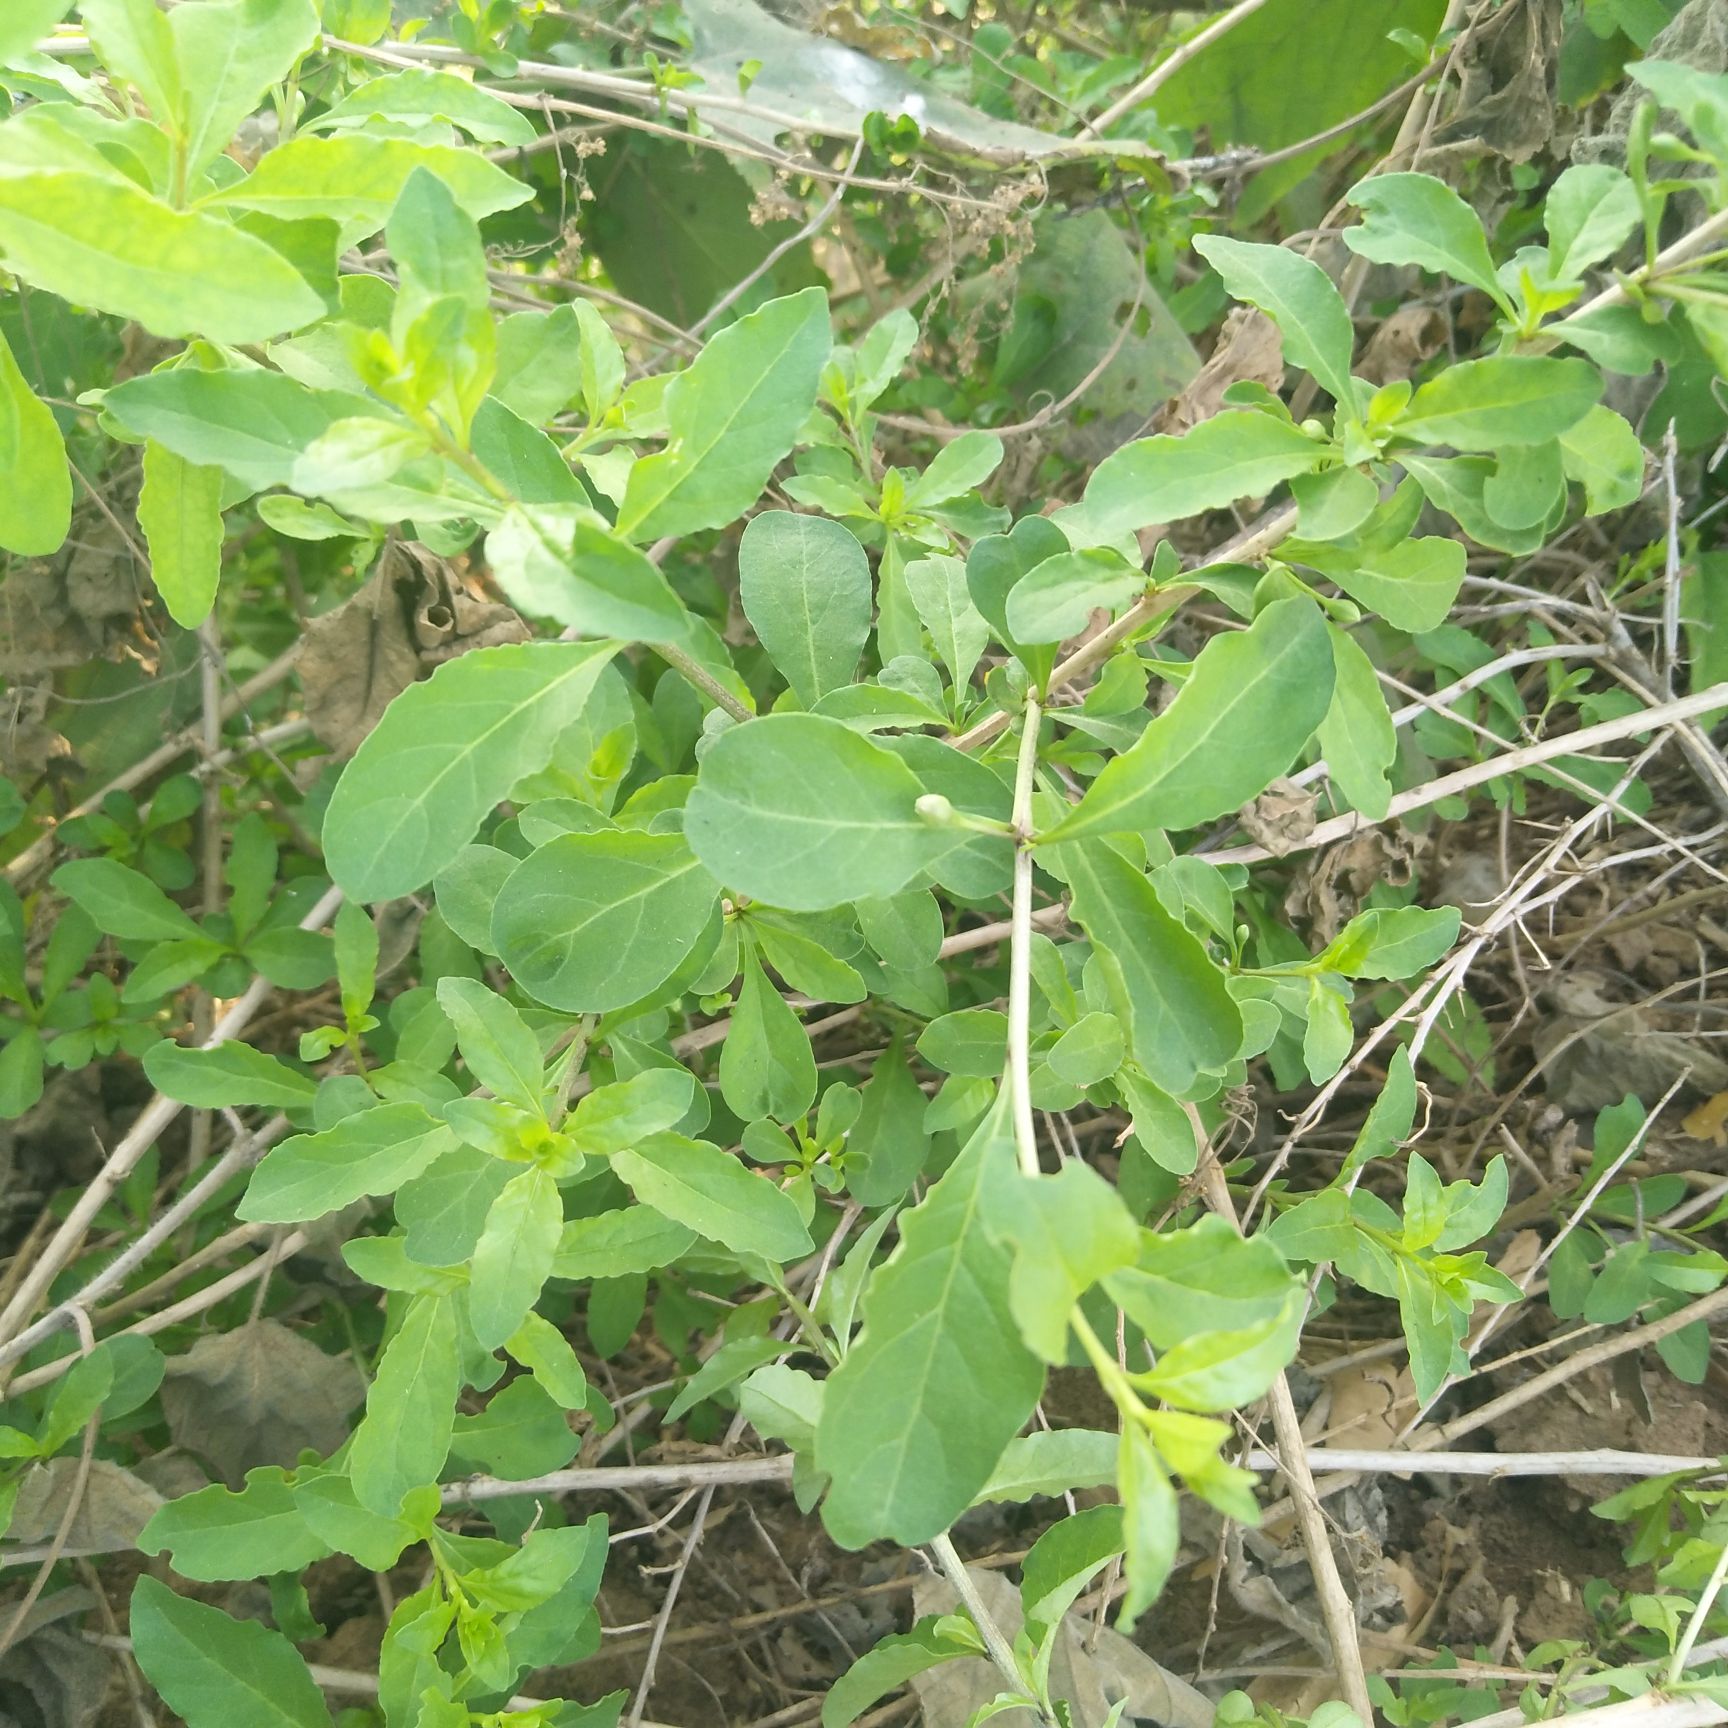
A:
{"x":1020,"y":943}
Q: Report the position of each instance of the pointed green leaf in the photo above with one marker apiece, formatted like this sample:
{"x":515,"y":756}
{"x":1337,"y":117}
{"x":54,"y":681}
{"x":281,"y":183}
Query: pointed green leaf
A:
{"x":123,"y":902}
{"x":230,"y":53}
{"x":1252,"y":701}
{"x":1602,"y":454}
{"x":960,"y":465}
{"x":1056,"y":599}
{"x":1591,"y":209}
{"x":944,"y":607}
{"x":226,"y":1076}
{"x":36,"y":499}
{"x":513,"y":1258}
{"x":731,"y":415}
{"x":404,"y":1437}
{"x":180,"y":511}
{"x":805,"y":587}
{"x":501,"y":1053}
{"x":371,"y":1152}
{"x":421,"y":93}
{"x":1416,"y":219}
{"x":1503,"y":400}
{"x":767,"y":1068}
{"x":1151,"y":1525}
{"x":1203,"y":1278}
{"x":886,"y":1668}
{"x":704,"y":1189}
{"x":215,"y":1534}
{"x":1237,"y":454}
{"x":1357,"y":734}
{"x":918,"y":1413}
{"x":446,"y":751}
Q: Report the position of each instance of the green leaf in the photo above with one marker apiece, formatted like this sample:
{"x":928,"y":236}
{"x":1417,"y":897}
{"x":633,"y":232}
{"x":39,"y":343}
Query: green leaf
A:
{"x":1063,"y":1561}
{"x":214,"y":1672}
{"x":1392,"y":942}
{"x":446,"y":751}
{"x":1412,"y":585}
{"x":1164,"y":479}
{"x":1503,"y":400}
{"x":1204,"y":1278}
{"x":615,"y":1116}
{"x":180,"y":511}
{"x":107,"y":244}
{"x":251,"y":424}
{"x":404,"y":1437}
{"x":1181,"y":1017}
{"x":1416,"y":219}
{"x":356,"y":179}
{"x":704,"y":1189}
{"x":591,"y":922}
{"x":731,"y":416}
{"x":421,"y":93}
{"x":1591,"y":209}
{"x":215,"y":1535}
{"x":619,"y":1244}
{"x":1357,"y":734}
{"x":546,"y":1353}
{"x":230,"y":53}
{"x":1327,"y":1039}
{"x":960,"y":465}
{"x":1602,"y":454}
{"x":767,"y":1068}
{"x":887,"y":1147}
{"x":513,"y":1258}
{"x":123,"y":902}
{"x":918,"y":1413}
{"x":726,"y":1367}
{"x":226,"y":1076}
{"x":1053,"y":1461}
{"x":944,"y":607}
{"x":1056,"y":599}
{"x":371,"y":1152}
{"x":1251,"y":702}
{"x":895,"y":1660}
{"x":1391,"y":1117}
{"x":553,"y":562}
{"x":501,"y":1053}
{"x":36,"y":501}
{"x":1299,"y":297}
{"x":1223,"y":1370}
{"x":26,"y":22}
{"x":1151,"y":1526}
{"x":135,"y":42}
{"x":803,"y":812}
{"x":805,"y":586}
{"x":1528,"y":485}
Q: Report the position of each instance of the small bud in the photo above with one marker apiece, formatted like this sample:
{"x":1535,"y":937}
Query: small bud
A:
{"x":935,"y":809}
{"x":1315,"y":428}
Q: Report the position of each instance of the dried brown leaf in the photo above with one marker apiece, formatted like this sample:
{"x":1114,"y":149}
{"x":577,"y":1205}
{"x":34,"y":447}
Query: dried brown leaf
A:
{"x":1249,"y":350}
{"x":114,"y":1506}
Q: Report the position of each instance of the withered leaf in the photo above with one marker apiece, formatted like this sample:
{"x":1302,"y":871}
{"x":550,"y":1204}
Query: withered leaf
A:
{"x":1249,"y":350}
{"x":258,"y":1396}
{"x":113,"y":1508}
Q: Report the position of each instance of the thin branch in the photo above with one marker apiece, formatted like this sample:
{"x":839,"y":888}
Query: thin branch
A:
{"x":1167,"y":69}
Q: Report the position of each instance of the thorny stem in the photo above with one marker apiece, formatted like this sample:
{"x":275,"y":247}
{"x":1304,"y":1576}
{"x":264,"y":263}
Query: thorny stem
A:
{"x":1020,"y":944}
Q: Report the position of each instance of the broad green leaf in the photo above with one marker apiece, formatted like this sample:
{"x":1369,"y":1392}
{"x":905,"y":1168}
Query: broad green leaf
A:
{"x":1237,"y":454}
{"x":1357,"y":734}
{"x":36,"y":499}
{"x":887,"y":1147}
{"x":371,"y":1152}
{"x":1052,"y":1461}
{"x":252,"y":424}
{"x":404,"y":1437}
{"x":615,"y":1116}
{"x":618,"y":1244}
{"x":803,"y":960}
{"x":1317,"y":1229}
{"x":1602,"y":454}
{"x":328,"y":1505}
{"x":969,"y":1041}
{"x":1412,"y":585}
{"x":1392,"y":942}
{"x":539,"y":355}
{"x":553,"y":562}
{"x":1327,"y":1039}
{"x":726,"y":1367}
{"x":1064,"y":1560}
{"x":960,"y":465}
{"x":1204,"y":1278}
{"x":918,"y":1413}
{"x":1181,"y":1017}
{"x":123,"y":902}
{"x":805,"y":587}
{"x":136,"y":43}
{"x":707,"y":1190}
{"x":1591,"y":209}
{"x":1299,"y":297}
{"x":501,"y":1053}
{"x":420,"y":93}
{"x":546,"y":1353}
{"x":1253,"y":699}
{"x":1067,"y":1231}
{"x":1694,"y":94}
{"x":602,"y":362}
{"x":1056,"y":599}
{"x":1416,"y":219}
{"x":1527,"y":486}
{"x":180,"y":511}
{"x":26,"y":21}
{"x":1225,"y":1369}
{"x":214,"y":1672}
{"x":1089,"y":1051}
{"x":513,"y":1257}
{"x":356,"y":179}
{"x":731,"y":415}
{"x":1333,"y":503}
{"x":591,"y":922}
{"x":230,"y":53}
{"x":1391,"y":1117}
{"x":767,"y":1068}
{"x":1502,"y":400}
{"x":802,"y":812}
{"x":944,"y":607}
{"x":1151,"y":1527}
{"x":895,"y":1660}
{"x":446,"y":751}
{"x":216,"y":1534}
{"x":108,"y":245}
{"x":226,"y":1076}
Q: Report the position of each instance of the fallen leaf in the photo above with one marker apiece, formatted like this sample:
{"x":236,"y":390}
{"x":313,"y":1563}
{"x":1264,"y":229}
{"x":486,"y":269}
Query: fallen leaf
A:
{"x":258,"y":1396}
{"x":114,"y":1506}
{"x":1412,"y":336}
{"x":1248,"y":350}
{"x":1281,"y":818}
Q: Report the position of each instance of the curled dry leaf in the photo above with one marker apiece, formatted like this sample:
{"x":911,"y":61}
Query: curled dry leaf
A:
{"x":258,"y":1396}
{"x":1411,"y":337}
{"x":1281,"y":818}
{"x":1329,"y":887}
{"x":114,"y":1506}
{"x":412,"y":614}
{"x":1249,"y":350}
